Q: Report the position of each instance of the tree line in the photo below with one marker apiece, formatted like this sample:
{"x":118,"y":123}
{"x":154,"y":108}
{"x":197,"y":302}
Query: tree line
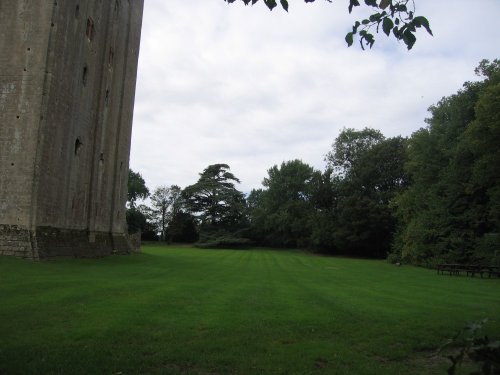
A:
{"x":428,"y":198}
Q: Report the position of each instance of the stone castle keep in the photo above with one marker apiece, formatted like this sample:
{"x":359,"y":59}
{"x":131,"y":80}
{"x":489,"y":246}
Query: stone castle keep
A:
{"x":67,"y":85}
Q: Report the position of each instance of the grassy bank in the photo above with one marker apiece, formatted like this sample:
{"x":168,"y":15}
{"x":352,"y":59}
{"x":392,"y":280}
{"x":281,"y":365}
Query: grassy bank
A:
{"x":186,"y":311}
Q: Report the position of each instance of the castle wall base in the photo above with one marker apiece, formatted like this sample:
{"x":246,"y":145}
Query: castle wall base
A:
{"x":50,"y":243}
{"x":15,"y":241}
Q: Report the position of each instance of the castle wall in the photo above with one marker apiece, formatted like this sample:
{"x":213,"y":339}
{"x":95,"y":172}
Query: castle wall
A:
{"x":66,"y":103}
{"x":24,"y":34}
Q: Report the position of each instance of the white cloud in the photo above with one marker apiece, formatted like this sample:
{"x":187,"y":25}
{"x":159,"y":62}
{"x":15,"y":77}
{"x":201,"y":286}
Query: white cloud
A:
{"x":222,"y":83}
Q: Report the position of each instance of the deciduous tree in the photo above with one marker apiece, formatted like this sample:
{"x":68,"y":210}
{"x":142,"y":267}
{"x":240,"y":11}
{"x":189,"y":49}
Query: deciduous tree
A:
{"x":136,"y":187}
{"x":368,"y":172}
{"x":349,"y":147}
{"x":281,"y":213}
{"x":161,"y":201}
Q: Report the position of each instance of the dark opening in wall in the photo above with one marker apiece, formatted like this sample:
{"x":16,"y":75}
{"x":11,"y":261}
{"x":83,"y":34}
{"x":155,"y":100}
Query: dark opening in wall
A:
{"x":77,"y":11}
{"x":117,"y":6}
{"x":90,"y":29}
{"x":78,"y":146}
{"x":84,"y":75}
{"x":106,"y":100}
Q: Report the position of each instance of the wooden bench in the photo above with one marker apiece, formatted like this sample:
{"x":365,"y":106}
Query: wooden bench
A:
{"x":468,"y":270}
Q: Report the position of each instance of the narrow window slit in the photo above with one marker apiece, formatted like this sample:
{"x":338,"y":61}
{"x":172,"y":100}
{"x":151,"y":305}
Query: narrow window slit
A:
{"x":84,"y":75}
{"x":111,"y":57}
{"x":78,"y":146}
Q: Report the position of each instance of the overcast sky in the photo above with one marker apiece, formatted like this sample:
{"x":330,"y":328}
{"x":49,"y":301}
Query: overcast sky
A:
{"x":251,"y":88}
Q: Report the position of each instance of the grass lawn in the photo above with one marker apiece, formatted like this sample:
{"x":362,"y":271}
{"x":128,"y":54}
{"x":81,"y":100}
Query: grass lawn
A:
{"x":187,"y":311}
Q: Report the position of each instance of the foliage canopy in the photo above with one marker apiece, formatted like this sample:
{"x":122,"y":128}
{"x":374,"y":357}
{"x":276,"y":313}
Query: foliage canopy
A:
{"x":451,"y":210}
{"x":214,"y":197}
{"x":395,"y":17}
{"x":136,"y":187}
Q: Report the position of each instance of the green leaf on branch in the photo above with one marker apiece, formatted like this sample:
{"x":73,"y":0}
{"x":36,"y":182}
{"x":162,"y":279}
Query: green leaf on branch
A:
{"x":355,"y":27}
{"x":352,"y":4}
{"x":401,"y":8}
{"x":387,"y":26}
{"x":349,"y":39}
{"x":284,"y":4}
{"x":271,"y":4}
{"x":409,"y":39}
{"x":370,"y":40}
{"x":421,"y":21}
{"x":384,"y":4}
{"x":367,"y":38}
